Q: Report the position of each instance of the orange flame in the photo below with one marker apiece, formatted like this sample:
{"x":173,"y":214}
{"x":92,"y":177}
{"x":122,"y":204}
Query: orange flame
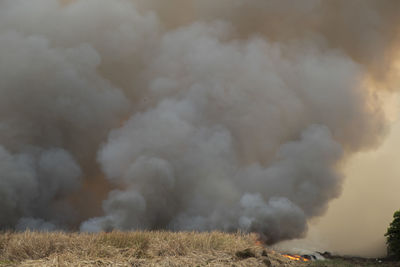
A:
{"x":295,"y":257}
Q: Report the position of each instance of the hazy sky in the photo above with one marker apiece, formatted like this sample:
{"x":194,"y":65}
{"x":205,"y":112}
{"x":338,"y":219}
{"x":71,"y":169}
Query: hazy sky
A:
{"x":373,"y":177}
{"x":356,"y":222}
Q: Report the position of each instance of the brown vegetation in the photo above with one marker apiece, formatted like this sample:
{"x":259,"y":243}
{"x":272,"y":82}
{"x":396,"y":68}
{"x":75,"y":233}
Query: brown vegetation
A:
{"x":134,"y":249}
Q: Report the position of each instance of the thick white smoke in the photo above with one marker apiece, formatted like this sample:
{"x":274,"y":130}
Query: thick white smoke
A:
{"x":228,"y":115}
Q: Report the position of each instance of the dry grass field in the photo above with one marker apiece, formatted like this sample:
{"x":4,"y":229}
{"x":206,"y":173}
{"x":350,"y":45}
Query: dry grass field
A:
{"x":135,"y":249}
{"x":157,"y":248}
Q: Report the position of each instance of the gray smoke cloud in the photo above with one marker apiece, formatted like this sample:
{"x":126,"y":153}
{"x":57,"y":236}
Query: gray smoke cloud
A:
{"x":191,"y":115}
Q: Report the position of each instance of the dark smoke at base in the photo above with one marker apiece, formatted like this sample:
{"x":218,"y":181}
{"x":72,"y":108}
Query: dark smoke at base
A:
{"x":199,"y":115}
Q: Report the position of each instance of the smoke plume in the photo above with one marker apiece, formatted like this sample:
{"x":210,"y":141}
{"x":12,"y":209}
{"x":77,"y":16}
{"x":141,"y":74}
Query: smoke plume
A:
{"x":187,"y":114}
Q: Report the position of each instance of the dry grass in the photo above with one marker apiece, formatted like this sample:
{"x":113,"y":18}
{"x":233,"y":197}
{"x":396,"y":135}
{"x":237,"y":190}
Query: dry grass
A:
{"x":127,"y":249}
{"x":148,"y":249}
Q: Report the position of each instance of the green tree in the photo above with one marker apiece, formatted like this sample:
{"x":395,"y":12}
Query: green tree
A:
{"x":393,"y":236}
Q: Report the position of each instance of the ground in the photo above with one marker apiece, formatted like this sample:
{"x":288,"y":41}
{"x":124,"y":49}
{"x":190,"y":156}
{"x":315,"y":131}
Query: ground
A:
{"x":148,"y":249}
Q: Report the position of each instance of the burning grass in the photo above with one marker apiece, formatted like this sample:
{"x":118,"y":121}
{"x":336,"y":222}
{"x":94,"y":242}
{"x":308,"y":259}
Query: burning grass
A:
{"x":295,"y":257}
{"x":131,"y":249}
{"x":158,"y":248}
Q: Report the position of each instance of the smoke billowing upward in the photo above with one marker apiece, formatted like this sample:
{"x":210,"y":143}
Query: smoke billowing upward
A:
{"x":191,"y":115}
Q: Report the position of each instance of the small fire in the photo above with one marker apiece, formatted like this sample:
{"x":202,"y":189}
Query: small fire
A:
{"x":295,"y":257}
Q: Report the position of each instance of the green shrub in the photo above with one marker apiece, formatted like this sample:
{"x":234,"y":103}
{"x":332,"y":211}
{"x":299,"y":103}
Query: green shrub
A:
{"x":393,"y":236}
